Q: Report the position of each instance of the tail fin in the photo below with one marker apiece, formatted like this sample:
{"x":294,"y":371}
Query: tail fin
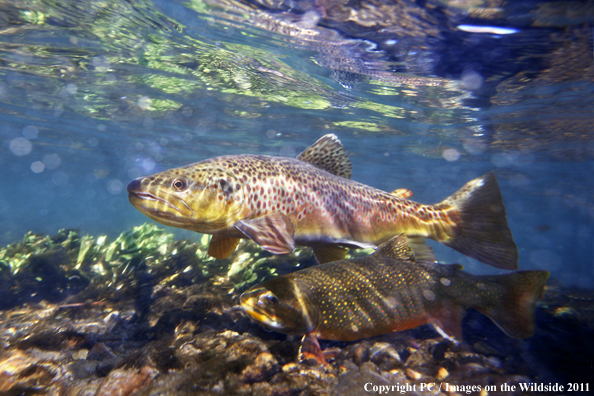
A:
{"x":512,"y":300}
{"x":482,"y":230}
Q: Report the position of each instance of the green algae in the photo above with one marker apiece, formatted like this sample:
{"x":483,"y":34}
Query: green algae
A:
{"x":146,"y":246}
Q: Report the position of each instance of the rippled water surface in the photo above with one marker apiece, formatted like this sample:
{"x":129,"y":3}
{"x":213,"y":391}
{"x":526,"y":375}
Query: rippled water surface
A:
{"x":424,"y":95}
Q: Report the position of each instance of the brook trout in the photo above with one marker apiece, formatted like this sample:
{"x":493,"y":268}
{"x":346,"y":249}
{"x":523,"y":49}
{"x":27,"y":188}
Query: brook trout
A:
{"x":390,"y":290}
{"x":310,"y":201}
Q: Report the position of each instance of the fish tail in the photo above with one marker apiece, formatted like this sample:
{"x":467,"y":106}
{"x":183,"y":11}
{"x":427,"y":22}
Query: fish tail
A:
{"x":481,"y":229}
{"x":510,"y":300}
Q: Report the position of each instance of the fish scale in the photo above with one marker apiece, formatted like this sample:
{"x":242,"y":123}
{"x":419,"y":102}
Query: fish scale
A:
{"x":281,"y":202}
{"x":356,"y":295}
{"x":390,"y":290}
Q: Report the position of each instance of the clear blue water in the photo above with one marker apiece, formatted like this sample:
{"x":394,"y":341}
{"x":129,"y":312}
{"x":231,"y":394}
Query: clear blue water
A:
{"x":94,"y":94}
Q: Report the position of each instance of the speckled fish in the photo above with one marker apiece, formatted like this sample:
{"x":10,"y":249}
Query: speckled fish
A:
{"x":310,"y":201}
{"x":391,"y":290}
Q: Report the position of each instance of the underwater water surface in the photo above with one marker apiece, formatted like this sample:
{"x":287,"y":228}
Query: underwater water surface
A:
{"x":94,"y":94}
{"x":423,"y":95}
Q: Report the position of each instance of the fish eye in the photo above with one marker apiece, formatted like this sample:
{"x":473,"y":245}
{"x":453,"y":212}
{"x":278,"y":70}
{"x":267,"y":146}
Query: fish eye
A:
{"x":179,"y":184}
{"x":271,"y":299}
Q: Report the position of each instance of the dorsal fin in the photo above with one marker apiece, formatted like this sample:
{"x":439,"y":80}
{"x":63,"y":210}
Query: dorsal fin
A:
{"x":328,"y":154}
{"x":406,"y":248}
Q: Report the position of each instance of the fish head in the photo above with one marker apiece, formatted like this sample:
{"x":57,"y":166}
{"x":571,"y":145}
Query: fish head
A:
{"x":199,"y":197}
{"x":278,"y":305}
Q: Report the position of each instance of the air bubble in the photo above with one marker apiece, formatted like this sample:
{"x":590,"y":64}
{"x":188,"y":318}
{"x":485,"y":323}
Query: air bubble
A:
{"x":30,"y":132}
{"x":451,"y":154}
{"x":20,"y":146}
{"x":37,"y":167}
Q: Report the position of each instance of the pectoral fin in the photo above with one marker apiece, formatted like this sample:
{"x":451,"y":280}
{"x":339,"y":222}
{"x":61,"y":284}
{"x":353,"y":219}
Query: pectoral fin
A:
{"x":310,"y":350}
{"x":329,"y":253}
{"x":221,"y":247}
{"x":273,"y":232}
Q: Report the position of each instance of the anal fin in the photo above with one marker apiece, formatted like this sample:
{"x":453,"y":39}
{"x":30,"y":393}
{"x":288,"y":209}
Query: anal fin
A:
{"x":221,"y":247}
{"x":329,"y":253}
{"x":448,"y":322}
{"x":273,"y":232}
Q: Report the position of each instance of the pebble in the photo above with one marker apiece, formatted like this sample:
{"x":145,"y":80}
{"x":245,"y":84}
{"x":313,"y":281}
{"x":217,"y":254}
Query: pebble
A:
{"x":381,"y":348}
{"x":413,"y":375}
{"x":360,"y":354}
{"x":289,"y":367}
{"x":442,"y":373}
{"x":81,"y":354}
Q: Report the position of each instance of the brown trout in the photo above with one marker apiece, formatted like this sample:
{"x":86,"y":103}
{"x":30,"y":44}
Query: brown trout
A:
{"x":281,"y":202}
{"x":391,"y":290}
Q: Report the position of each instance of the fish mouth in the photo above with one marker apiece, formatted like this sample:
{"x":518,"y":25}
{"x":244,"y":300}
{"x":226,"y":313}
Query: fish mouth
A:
{"x":256,"y":313}
{"x":145,"y":197}
{"x":147,"y":201}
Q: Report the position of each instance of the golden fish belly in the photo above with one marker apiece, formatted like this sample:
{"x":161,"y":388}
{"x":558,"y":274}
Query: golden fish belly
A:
{"x":363,"y":321}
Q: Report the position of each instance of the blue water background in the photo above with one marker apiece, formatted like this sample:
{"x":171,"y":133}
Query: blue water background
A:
{"x":91,"y":105}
